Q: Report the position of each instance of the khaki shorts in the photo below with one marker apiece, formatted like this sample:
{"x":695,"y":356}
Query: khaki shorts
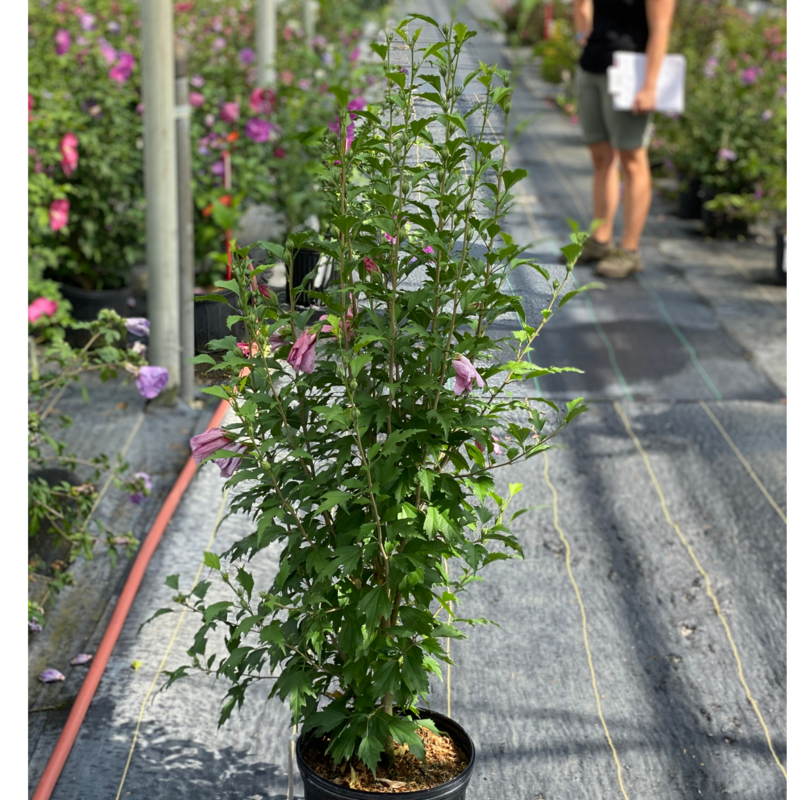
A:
{"x":599,"y":120}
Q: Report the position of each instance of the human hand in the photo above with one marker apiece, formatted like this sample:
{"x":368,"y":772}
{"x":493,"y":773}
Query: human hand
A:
{"x":644,"y":102}
{"x":581,"y":37}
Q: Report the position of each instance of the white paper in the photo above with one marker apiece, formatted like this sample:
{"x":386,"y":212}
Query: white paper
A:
{"x":626,"y":78}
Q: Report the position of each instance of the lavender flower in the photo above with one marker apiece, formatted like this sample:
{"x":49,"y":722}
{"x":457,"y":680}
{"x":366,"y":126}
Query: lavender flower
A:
{"x":723,"y":154}
{"x":247,"y":56}
{"x":710,"y":68}
{"x":151,"y":380}
{"x":212,"y":440}
{"x":143,"y":480}
{"x":81,"y":658}
{"x":197,"y":80}
{"x":34,"y":627}
{"x":258,"y":129}
{"x":301,"y":356}
{"x":138,"y":326}
{"x":50,"y":676}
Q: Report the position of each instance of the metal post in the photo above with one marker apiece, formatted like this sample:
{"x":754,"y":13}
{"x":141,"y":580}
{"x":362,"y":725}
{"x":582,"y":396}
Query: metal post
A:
{"x":310,"y":8}
{"x":185,"y":218}
{"x":266,"y":23}
{"x":161,"y":191}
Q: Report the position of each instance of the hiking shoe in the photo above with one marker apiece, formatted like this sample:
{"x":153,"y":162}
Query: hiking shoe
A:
{"x":620,"y":263}
{"x":592,"y":251}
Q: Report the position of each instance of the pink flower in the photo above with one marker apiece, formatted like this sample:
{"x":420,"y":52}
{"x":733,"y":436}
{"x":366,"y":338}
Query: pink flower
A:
{"x":59,"y":214}
{"x":216,"y":24}
{"x":197,"y":81}
{"x":108,"y":51}
{"x":245,"y":348}
{"x":208,"y":443}
{"x":262,"y":100}
{"x":69,"y":151}
{"x":278,"y":338}
{"x":258,"y":129}
{"x":767,"y":115}
{"x":354,"y":54}
{"x":63,"y":40}
{"x":497,"y":450}
{"x":428,"y":250}
{"x":287,"y":76}
{"x":279,"y":152}
{"x":229,"y":112}
{"x":30,"y":107}
{"x":209,"y":120}
{"x":218,"y":168}
{"x":140,"y":109}
{"x":349,"y":135}
{"x":389,"y":238}
{"x":357,"y":104}
{"x":710,"y":68}
{"x":750,"y":75}
{"x":218,"y":44}
{"x":41,"y":305}
{"x":86,"y":20}
{"x":122,"y":70}
{"x":304,"y":84}
{"x":465,"y":374}
{"x":151,"y":380}
{"x":247,"y":56}
{"x":723,"y":154}
{"x":267,"y":293}
{"x":371,"y":266}
{"x":301,"y":356}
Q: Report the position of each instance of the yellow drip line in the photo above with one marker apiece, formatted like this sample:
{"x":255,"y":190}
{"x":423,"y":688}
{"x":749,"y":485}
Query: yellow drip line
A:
{"x":169,"y":648}
{"x":585,"y":625}
{"x":699,"y":566}
{"x":744,"y":461}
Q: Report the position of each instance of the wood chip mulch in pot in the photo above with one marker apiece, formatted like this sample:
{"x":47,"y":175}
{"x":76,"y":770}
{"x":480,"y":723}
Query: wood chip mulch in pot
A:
{"x":444,"y":761}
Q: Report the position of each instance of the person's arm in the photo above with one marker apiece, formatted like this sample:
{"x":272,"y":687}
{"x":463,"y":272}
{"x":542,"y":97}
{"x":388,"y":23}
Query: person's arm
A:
{"x":582,"y":18}
{"x":659,"y":21}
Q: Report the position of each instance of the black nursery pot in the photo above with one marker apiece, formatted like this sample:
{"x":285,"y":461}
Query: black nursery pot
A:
{"x":780,"y":256}
{"x":690,"y":201}
{"x":723,"y":226}
{"x":211,"y":320}
{"x":87,"y":303}
{"x":317,"y":788}
{"x":305,"y":262}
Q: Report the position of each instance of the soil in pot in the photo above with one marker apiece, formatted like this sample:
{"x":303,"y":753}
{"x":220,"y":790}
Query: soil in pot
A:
{"x":444,"y":761}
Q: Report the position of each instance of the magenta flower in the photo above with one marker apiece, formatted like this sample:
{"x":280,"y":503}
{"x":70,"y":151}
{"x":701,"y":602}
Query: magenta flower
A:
{"x":301,"y":356}
{"x":59,"y":214}
{"x":122,"y":70}
{"x":138,"y":326}
{"x":229,"y":112}
{"x":262,"y":100}
{"x":41,"y":305}
{"x":496,"y":449}
{"x":245,"y":348}
{"x":31,"y":103}
{"x":428,"y":250}
{"x":247,"y":56}
{"x":80,"y":659}
{"x":198,"y":81}
{"x":750,"y":75}
{"x":465,"y":374}
{"x":50,"y":676}
{"x":196,"y":99}
{"x":723,"y":154}
{"x":217,"y":168}
{"x":142,"y":484}
{"x":151,"y":380}
{"x":267,"y":293}
{"x":354,"y":54}
{"x":258,"y":129}
{"x":108,"y":51}
{"x":69,"y":152}
{"x":63,"y":40}
{"x":357,"y":104}
{"x":389,"y":238}
{"x":371,"y":266}
{"x":212,"y":440}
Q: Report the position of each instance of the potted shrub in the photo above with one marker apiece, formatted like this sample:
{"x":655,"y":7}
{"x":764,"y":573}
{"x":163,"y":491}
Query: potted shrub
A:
{"x":366,"y":443}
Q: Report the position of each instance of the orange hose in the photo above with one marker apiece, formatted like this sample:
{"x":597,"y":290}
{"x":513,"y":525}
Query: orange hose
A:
{"x":81,"y":705}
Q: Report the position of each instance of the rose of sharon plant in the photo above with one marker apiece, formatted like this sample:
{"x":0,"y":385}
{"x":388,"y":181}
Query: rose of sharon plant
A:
{"x":365,"y":445}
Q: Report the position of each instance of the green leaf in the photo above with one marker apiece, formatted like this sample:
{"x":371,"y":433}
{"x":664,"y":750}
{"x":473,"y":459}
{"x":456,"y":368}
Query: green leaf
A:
{"x":586,"y":287}
{"x":370,"y":749}
{"x":374,"y":605}
{"x":211,"y":560}
{"x":217,"y":610}
{"x":172,"y":581}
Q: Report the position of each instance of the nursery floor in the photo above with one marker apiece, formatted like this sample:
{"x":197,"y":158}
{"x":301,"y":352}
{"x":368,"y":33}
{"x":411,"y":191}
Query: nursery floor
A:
{"x":642,"y":652}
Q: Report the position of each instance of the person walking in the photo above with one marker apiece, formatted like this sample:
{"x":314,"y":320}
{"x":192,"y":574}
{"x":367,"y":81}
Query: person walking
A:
{"x":618,"y":137}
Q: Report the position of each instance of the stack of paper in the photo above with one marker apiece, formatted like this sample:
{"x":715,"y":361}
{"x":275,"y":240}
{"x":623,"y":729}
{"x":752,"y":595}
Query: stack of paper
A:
{"x":626,"y":78}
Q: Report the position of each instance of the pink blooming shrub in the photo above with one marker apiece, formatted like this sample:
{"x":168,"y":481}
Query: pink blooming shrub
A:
{"x":229,"y":112}
{"x":196,"y":99}
{"x":301,"y":356}
{"x":259,"y":130}
{"x":465,"y":375}
{"x":59,"y":214}
{"x":212,"y":440}
{"x":63,"y":40}
{"x":41,"y":306}
{"x":69,"y":153}
{"x":122,"y":70}
{"x":262,"y":101}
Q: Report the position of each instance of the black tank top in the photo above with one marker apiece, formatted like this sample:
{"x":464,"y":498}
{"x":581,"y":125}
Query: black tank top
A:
{"x":617,"y":25}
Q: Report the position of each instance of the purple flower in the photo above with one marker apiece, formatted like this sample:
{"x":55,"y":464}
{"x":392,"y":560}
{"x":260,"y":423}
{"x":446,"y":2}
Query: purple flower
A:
{"x":710,"y":68}
{"x":151,"y":380}
{"x":723,"y":154}
{"x":327,"y":58}
{"x":196,"y":99}
{"x":138,"y":326}
{"x":750,"y":75}
{"x":50,"y":676}
{"x":229,"y":112}
{"x":304,"y":84}
{"x":767,"y":115}
{"x":140,"y":109}
{"x":81,"y":658}
{"x":258,"y":129}
{"x":122,"y":70}
{"x":34,"y":627}
{"x":218,"y":168}
{"x":354,"y":54}
{"x":198,"y":81}
{"x":301,"y":356}
{"x":465,"y":374}
{"x":114,"y":27}
{"x":63,"y":40}
{"x":357,"y":104}
{"x":278,"y":338}
{"x":218,"y":44}
{"x":247,"y":56}
{"x":208,"y":443}
{"x":142,"y":480}
{"x":87,"y":21}
{"x":404,"y":70}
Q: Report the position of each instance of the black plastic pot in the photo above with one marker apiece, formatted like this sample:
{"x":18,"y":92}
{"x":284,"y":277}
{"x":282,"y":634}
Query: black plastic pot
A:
{"x":690,"y":202}
{"x":723,"y":226}
{"x":304,"y":264}
{"x":780,"y":256}
{"x":317,"y":788}
{"x":211,"y":320}
{"x":87,"y":303}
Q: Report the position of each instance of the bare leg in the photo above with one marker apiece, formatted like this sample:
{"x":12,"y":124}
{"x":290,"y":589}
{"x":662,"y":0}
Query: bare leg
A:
{"x":605,"y":188}
{"x":637,"y":197}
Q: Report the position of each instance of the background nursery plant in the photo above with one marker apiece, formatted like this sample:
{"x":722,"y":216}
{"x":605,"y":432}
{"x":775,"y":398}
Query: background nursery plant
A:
{"x":366,"y":442}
